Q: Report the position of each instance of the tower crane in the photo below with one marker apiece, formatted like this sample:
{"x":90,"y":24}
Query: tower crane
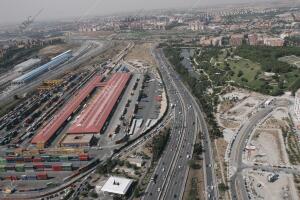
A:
{"x":25,"y":24}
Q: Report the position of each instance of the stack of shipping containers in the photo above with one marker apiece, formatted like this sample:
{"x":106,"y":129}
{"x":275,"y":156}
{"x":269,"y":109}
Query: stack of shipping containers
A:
{"x":20,"y":167}
{"x":83,"y":157}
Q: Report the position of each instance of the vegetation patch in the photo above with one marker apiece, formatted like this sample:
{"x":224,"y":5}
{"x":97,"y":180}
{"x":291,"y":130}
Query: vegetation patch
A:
{"x":257,"y":68}
{"x":199,"y":86}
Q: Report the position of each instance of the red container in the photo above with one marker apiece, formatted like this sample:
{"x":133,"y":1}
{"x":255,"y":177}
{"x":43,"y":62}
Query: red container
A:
{"x":81,"y":158}
{"x":42,"y":176}
{"x":10,"y":158}
{"x":37,"y":159}
{"x":83,"y":154}
{"x":39,"y":165}
{"x":8,"y":178}
{"x":14,"y":178}
{"x":56,"y":167}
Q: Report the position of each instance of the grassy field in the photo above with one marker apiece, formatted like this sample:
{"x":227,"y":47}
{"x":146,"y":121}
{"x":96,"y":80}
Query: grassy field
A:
{"x":262,"y":73}
{"x":249,"y":71}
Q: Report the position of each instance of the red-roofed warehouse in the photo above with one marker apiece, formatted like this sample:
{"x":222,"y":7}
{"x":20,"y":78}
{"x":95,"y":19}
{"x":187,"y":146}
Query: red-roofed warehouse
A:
{"x":48,"y":132}
{"x":93,"y":118}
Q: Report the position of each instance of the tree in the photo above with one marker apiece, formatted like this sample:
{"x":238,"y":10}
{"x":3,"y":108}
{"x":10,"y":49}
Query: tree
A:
{"x":136,"y":192}
{"x":240,"y":73}
{"x":222,"y":187}
{"x":16,"y":97}
{"x":93,"y":194}
{"x":84,"y":193}
{"x":198,"y":149}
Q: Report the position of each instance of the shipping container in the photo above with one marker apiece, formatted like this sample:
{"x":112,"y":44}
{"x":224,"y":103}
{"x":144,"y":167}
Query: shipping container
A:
{"x":2,"y":168}
{"x":23,"y":177}
{"x":38,"y":159}
{"x":10,"y":152}
{"x":42,"y":176}
{"x":73,"y":158}
{"x":31,"y":177}
{"x":56,"y":167}
{"x":48,"y":165}
{"x":84,"y":154}
{"x":39,"y":166}
{"x":28,"y":167}
{"x":20,"y":167}
{"x":10,"y":159}
{"x":28,"y":159}
{"x":67,"y":166}
{"x":2,"y":160}
{"x":83,"y":158}
{"x":46,"y":158}
{"x":19,"y":159}
{"x":9,"y":167}
{"x":54,"y":159}
{"x":64,"y":158}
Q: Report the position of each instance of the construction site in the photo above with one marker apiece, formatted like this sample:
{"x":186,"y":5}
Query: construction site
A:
{"x":270,"y":153}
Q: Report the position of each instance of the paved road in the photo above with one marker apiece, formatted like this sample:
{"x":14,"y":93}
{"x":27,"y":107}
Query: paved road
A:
{"x":172,"y":169}
{"x":237,"y":185}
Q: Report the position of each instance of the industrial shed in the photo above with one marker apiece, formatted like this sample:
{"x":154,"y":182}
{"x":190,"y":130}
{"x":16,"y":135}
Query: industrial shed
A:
{"x":94,"y":117}
{"x":47,"y":133}
{"x":117,"y":185}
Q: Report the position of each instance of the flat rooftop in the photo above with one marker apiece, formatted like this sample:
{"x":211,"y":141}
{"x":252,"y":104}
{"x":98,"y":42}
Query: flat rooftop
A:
{"x":78,"y":138}
{"x":94,"y":116}
{"x":117,"y":185}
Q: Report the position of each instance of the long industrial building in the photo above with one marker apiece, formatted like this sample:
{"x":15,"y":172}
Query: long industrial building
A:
{"x":48,"y":132}
{"x":27,"y":65}
{"x":94,"y":117}
{"x":56,"y":61}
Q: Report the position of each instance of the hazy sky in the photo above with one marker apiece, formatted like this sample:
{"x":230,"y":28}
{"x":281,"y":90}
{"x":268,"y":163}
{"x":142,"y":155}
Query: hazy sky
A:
{"x":18,"y":10}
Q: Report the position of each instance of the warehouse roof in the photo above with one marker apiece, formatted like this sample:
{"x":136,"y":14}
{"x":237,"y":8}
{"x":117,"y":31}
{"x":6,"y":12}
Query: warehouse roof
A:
{"x":78,"y":139}
{"x":48,"y":131}
{"x":117,"y":185}
{"x":93,"y":118}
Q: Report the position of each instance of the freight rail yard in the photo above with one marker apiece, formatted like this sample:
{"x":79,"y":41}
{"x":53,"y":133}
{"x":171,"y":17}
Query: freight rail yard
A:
{"x":65,"y":127}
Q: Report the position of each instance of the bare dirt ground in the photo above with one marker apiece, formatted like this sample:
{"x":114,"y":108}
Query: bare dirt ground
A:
{"x":268,"y":140}
{"x":53,"y":50}
{"x":283,"y":188}
{"x":270,"y":147}
{"x":141,"y":52}
{"x":237,"y":106}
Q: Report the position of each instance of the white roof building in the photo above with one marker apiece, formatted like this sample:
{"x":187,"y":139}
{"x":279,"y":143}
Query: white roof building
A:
{"x":117,"y":185}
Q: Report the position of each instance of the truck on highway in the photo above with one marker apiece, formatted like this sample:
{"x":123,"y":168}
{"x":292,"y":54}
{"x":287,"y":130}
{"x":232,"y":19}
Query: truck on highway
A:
{"x":154,"y":178}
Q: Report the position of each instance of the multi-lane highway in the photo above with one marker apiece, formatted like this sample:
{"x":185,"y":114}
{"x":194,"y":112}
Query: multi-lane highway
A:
{"x":237,"y":185}
{"x":169,"y":178}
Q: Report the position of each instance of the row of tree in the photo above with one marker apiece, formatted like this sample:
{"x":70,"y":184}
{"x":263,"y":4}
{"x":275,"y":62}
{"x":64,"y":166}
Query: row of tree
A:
{"x":198,"y":86}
